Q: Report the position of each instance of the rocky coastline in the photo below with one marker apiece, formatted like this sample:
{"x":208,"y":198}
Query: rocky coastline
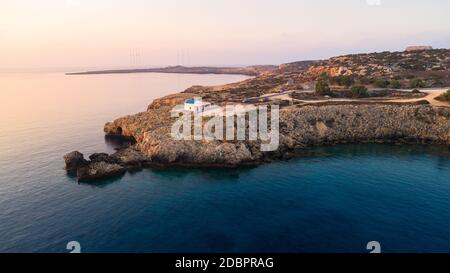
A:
{"x":300,"y":127}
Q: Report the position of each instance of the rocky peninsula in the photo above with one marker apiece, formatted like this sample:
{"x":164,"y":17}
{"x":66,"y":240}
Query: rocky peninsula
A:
{"x":300,"y":127}
{"x":302,"y":124}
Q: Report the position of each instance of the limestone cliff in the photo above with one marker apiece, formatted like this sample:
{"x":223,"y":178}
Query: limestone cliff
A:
{"x":299,"y":127}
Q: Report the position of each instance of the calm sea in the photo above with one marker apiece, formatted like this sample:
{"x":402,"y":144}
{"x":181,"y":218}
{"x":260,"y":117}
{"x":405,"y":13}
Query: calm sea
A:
{"x":331,"y":199}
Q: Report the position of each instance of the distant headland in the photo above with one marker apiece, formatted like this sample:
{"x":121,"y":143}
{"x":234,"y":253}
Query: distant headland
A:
{"x":248,"y":71}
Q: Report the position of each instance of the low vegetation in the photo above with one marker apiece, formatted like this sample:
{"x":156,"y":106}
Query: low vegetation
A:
{"x":322,"y":88}
{"x":382,"y":83}
{"x":423,"y":102}
{"x":395,"y":84}
{"x":417,"y":83}
{"x":359,"y":91}
{"x":381,"y":69}
{"x":445,"y":96}
{"x":342,"y":80}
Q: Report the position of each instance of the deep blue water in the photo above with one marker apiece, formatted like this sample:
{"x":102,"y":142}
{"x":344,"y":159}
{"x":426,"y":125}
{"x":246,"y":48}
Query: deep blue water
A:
{"x":331,"y":199}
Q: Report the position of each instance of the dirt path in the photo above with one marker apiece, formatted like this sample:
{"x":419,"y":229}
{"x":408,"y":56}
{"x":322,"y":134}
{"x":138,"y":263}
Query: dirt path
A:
{"x":431,"y":98}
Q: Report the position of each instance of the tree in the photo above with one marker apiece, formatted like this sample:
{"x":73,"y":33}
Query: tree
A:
{"x":417,"y":83}
{"x":359,"y":91}
{"x":395,"y":84}
{"x":322,"y":88}
{"x":381,"y":83}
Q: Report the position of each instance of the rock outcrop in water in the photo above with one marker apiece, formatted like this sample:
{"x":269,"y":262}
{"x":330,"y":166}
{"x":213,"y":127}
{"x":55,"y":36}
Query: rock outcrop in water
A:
{"x":97,"y":170}
{"x":74,"y":161}
{"x":102,"y":165}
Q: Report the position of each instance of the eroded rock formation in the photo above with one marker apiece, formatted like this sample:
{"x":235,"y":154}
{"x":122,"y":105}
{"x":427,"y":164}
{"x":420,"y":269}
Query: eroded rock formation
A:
{"x":299,"y":127}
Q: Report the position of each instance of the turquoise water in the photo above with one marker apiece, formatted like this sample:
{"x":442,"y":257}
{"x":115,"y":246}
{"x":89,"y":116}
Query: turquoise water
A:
{"x":331,"y":199}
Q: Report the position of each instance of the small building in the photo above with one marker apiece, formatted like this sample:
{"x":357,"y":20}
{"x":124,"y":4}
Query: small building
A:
{"x":198,"y":106}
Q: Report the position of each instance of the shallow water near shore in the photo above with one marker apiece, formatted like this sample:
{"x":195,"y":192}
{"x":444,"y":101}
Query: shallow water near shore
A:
{"x":330,"y":199}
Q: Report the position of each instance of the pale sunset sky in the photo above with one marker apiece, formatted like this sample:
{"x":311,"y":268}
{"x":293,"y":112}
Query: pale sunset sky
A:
{"x":119,"y":33}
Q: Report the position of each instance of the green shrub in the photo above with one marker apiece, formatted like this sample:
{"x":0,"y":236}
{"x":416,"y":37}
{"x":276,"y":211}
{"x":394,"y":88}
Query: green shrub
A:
{"x":395,"y":84}
{"x":445,"y":96}
{"x":347,"y":81}
{"x":417,"y":83}
{"x":423,"y":102}
{"x":381,"y":83}
{"x":366,"y":80}
{"x":343,"y":80}
{"x":324,"y":77}
{"x":359,"y":91}
{"x":322,"y":88}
